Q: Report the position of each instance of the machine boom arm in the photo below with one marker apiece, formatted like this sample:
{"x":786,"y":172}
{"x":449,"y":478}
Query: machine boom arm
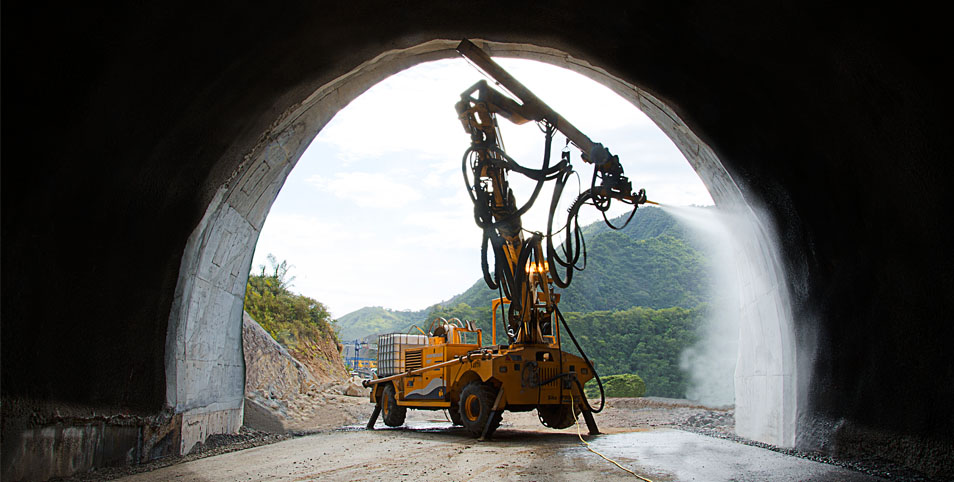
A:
{"x":523,"y":270}
{"x":532,"y":105}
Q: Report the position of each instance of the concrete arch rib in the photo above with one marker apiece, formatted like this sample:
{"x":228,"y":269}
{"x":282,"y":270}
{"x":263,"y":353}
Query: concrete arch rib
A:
{"x":204,"y":364}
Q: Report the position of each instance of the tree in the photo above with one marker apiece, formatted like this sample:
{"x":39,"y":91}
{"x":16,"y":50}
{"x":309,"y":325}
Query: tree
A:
{"x":288,"y":317}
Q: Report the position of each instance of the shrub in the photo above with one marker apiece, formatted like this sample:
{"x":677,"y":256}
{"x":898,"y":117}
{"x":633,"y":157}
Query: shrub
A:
{"x":625,"y":385}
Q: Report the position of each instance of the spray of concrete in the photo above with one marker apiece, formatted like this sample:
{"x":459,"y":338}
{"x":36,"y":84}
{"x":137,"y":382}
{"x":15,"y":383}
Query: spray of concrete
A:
{"x":746,"y":353}
{"x":711,"y":361}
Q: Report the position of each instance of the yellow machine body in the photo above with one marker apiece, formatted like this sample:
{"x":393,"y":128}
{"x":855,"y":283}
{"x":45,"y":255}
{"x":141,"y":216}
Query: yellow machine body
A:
{"x":526,"y":375}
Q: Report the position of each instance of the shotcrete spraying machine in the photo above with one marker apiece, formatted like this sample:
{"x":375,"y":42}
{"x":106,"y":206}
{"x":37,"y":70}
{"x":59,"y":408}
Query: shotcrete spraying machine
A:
{"x":448,"y":366}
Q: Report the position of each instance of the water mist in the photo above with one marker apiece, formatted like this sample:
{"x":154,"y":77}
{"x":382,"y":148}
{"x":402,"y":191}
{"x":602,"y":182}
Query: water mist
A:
{"x":746,"y":352}
{"x":711,"y":361}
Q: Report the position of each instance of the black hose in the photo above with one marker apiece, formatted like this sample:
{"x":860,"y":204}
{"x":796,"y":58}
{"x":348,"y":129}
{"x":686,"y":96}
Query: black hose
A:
{"x":630,"y":218}
{"x":586,"y":359}
{"x":483,"y":215}
{"x":489,"y":154}
{"x":463,"y":167}
{"x":502,"y":312}
{"x":574,"y":238}
{"x":540,"y":175}
{"x":552,"y":259}
{"x":508,"y":276}
{"x":484,"y":266}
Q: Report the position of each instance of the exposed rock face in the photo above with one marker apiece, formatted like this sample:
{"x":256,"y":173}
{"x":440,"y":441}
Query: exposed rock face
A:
{"x":269,"y":368}
{"x":322,"y":357}
{"x":282,"y":393}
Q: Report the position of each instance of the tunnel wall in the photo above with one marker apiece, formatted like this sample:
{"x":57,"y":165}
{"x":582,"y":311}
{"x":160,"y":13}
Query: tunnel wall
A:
{"x":121,"y":126}
{"x":205,"y":372}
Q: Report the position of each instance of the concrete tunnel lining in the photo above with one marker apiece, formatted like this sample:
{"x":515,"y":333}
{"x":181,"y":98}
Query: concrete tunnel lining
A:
{"x":204,"y":365}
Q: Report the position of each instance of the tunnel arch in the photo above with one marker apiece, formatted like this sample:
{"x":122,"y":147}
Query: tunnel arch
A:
{"x":204,"y":364}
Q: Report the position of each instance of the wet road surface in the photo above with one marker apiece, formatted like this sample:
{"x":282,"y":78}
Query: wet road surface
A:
{"x":431,"y":450}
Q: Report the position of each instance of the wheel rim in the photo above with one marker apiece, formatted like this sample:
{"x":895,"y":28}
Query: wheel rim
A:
{"x":472,"y":407}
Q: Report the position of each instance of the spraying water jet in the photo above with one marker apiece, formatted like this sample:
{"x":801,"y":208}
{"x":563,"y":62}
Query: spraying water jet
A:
{"x":746,"y":355}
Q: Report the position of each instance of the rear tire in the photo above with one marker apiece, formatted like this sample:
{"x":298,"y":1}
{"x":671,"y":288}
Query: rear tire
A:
{"x":392,"y":413}
{"x":557,"y":416}
{"x":476,"y":407}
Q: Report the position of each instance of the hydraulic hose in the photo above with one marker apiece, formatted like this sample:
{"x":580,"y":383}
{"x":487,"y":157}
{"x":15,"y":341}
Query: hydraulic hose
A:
{"x":574,"y":238}
{"x":481,"y":209}
{"x":483,"y":214}
{"x":512,"y":278}
{"x":586,"y":359}
{"x":484,"y":265}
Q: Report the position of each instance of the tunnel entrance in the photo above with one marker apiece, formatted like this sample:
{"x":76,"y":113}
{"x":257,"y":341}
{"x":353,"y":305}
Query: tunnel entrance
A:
{"x":204,"y":366}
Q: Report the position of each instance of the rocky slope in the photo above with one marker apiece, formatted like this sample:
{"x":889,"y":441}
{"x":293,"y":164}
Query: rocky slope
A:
{"x":284,"y":394}
{"x":269,"y":368}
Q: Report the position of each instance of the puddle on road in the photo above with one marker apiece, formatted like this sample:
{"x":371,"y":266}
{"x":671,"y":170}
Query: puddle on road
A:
{"x":424,"y":426}
{"x":689,"y":456}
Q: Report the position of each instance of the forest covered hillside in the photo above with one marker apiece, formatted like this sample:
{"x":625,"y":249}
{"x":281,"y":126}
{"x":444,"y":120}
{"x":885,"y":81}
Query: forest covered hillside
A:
{"x":375,"y":319}
{"x":652,"y":262}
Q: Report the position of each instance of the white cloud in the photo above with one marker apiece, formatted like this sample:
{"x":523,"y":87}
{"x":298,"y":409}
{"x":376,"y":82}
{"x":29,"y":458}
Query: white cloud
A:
{"x":410,"y":112}
{"x":370,"y":190}
{"x":347,"y":265}
{"x":590,"y":106}
{"x":442,"y":229}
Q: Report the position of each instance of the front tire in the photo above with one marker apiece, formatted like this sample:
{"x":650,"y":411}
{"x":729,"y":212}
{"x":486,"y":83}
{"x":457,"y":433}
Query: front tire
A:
{"x":392,"y":413}
{"x":476,"y":407}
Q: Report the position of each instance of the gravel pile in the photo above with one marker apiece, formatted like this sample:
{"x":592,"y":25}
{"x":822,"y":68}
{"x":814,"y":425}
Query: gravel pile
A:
{"x":229,"y":442}
{"x":720,"y":421}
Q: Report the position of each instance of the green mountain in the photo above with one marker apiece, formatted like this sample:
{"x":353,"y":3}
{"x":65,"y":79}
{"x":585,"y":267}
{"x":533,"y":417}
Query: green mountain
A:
{"x":648,"y":222}
{"x":653,"y":262}
{"x":639,"y":341}
{"x":371,"y":320}
{"x":634,"y":309}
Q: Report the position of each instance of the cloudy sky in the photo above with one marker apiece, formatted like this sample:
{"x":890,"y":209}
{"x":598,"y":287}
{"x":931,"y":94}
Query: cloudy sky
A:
{"x":376,"y":213}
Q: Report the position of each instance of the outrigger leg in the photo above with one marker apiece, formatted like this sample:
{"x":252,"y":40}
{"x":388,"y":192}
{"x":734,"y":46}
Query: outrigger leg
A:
{"x":590,"y":421}
{"x":374,"y":417}
{"x":586,"y":409}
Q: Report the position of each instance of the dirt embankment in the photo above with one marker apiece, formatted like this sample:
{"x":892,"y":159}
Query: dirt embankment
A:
{"x":303,"y":389}
{"x":322,"y":357}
